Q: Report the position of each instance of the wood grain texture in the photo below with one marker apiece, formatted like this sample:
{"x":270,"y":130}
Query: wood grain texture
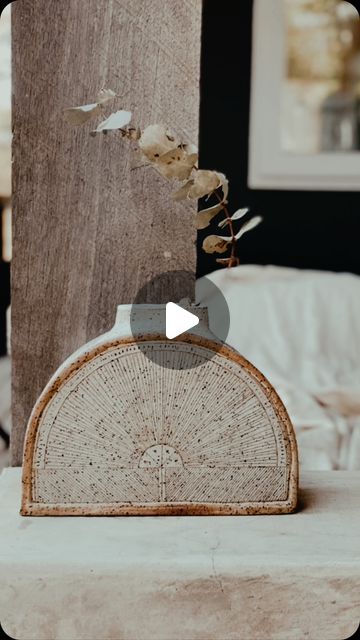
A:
{"x":91,"y":223}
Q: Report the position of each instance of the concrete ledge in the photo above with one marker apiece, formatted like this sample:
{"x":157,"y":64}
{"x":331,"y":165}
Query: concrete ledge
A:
{"x":286,"y":577}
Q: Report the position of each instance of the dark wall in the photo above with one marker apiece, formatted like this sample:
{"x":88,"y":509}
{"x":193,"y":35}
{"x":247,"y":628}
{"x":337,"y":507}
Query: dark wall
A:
{"x":314,"y":230}
{"x":4,"y":294}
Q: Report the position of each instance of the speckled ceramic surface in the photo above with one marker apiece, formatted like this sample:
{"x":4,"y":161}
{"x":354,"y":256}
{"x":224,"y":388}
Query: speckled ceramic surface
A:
{"x":195,"y":429}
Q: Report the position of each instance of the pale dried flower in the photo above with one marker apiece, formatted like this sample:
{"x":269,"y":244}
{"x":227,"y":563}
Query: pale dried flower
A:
{"x":176,"y":160}
{"x":204,"y":217}
{"x":240,"y":213}
{"x":251,"y":224}
{"x":105,"y":95}
{"x":79,"y":115}
{"x":156,"y":140}
{"x":215,"y":244}
{"x":183,"y":192}
{"x":232,"y":261}
{"x":176,"y":163}
{"x":205,"y":182}
{"x":117,"y":120}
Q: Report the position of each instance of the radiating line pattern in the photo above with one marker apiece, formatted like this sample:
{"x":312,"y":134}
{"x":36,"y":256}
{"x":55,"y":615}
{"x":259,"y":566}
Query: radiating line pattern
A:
{"x":126,"y":429}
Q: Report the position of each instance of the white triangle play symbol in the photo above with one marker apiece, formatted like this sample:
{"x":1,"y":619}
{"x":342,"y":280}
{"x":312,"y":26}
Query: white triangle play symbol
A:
{"x":178,"y":320}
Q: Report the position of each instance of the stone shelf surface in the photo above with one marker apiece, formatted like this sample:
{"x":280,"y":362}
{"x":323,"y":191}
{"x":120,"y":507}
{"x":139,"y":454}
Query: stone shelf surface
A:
{"x":288,"y":577}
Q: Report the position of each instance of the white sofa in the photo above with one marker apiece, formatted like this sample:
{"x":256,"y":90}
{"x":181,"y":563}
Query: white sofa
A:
{"x":302,"y":330}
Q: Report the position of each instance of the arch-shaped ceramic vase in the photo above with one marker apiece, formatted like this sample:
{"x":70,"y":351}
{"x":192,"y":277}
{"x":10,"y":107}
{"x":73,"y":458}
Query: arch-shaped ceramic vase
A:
{"x":134,"y":423}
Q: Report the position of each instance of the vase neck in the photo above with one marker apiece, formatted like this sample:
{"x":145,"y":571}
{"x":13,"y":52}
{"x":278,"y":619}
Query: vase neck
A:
{"x":150,"y":318}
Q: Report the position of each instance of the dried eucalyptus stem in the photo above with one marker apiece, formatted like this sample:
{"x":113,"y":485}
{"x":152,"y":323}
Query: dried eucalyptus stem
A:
{"x":176,"y":160}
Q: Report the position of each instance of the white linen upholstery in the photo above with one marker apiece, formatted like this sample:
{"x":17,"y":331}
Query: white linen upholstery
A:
{"x":302,"y":330}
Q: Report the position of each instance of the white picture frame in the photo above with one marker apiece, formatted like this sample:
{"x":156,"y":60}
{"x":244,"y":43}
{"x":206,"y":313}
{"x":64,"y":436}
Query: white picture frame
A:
{"x":270,"y":167}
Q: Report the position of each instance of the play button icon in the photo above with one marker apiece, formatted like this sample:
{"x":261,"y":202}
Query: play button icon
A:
{"x":178,"y":320}
{"x":171,"y":321}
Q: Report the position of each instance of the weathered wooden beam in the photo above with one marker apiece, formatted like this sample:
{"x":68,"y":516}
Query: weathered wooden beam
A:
{"x":91,"y":223}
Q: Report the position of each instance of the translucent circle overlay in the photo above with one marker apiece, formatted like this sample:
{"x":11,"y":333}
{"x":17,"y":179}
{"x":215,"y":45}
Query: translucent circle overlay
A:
{"x":161,"y":289}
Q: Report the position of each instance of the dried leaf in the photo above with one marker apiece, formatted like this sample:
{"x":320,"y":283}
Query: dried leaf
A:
{"x":224,"y":184}
{"x":190,"y":148}
{"x":226,"y":238}
{"x":79,"y":115}
{"x":235,"y":216}
{"x":229,"y":262}
{"x":240,"y":213}
{"x":116,"y":120}
{"x":204,"y":217}
{"x":182,"y":193}
{"x":215,"y":244}
{"x":176,"y":163}
{"x":204,"y":182}
{"x":155,"y":141}
{"x":105,"y":95}
{"x":251,"y":224}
